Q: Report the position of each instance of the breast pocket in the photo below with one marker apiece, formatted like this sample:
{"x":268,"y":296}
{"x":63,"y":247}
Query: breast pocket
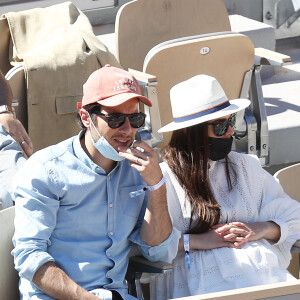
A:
{"x":131,"y":205}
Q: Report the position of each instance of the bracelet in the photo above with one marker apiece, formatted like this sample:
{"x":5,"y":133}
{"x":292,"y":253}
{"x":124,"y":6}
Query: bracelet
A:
{"x":156,"y":186}
{"x":148,"y":187}
{"x":186,"y":245}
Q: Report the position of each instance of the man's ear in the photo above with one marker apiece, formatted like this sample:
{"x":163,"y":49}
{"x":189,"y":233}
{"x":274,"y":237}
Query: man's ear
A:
{"x":85,"y":117}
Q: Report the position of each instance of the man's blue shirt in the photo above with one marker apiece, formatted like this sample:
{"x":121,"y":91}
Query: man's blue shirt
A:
{"x":68,"y":210}
{"x":11,"y":157}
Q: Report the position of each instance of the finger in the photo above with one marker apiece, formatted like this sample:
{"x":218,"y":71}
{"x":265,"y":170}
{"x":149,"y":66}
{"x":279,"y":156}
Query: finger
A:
{"x":238,"y":244}
{"x":224,"y":228}
{"x":233,"y":237}
{"x":26,"y":149}
{"x":29,"y":144}
{"x":139,"y":160}
{"x":133,"y":151}
{"x":143,"y":145}
{"x":230,"y":236}
{"x":229,"y":226}
{"x":238,"y":224}
{"x":239,"y":231}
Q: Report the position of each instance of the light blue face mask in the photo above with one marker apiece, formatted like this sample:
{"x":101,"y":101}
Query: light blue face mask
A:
{"x":104,"y":147}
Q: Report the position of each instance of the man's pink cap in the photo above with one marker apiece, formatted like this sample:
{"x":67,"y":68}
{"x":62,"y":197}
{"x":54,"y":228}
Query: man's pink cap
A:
{"x":110,"y":86}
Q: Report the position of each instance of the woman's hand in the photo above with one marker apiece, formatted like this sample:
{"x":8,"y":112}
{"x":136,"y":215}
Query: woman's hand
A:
{"x":240,"y":233}
{"x":210,"y":240}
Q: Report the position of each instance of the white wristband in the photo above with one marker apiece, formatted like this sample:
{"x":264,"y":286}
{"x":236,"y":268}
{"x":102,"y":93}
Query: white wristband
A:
{"x":186,"y":245}
{"x":148,"y":187}
{"x":156,"y":186}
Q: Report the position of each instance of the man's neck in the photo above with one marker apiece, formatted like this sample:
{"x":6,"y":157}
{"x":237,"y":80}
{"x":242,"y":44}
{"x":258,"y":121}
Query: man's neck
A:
{"x":105,"y":163}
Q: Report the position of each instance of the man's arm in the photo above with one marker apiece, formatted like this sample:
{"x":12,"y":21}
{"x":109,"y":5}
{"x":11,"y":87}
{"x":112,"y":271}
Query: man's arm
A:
{"x":157,"y":225}
{"x":12,"y":125}
{"x":56,"y":283}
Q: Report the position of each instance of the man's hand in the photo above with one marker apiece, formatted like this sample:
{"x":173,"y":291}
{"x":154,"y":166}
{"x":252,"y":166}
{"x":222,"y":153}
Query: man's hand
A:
{"x":157,"y":225}
{"x":145,"y":162}
{"x":16,"y":130}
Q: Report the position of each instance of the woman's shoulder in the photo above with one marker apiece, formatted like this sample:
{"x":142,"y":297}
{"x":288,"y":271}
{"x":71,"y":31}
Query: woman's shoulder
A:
{"x":248,"y":159}
{"x":246,"y":163}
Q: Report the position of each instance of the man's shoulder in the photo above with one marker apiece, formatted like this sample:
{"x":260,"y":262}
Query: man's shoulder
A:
{"x":54,"y":151}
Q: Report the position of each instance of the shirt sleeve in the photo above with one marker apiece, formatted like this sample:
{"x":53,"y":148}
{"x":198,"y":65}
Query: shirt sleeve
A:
{"x":278,"y":207}
{"x":36,"y":206}
{"x":159,"y":252}
{"x":11,"y":157}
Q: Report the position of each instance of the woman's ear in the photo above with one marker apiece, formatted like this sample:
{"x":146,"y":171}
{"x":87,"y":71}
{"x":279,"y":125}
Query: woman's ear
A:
{"x":85,"y":118}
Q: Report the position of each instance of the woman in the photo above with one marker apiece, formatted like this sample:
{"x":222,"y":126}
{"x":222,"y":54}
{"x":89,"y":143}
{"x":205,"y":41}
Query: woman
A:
{"x":237,"y":224}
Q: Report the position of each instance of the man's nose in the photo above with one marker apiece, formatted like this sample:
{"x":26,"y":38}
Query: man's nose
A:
{"x":126,"y":127}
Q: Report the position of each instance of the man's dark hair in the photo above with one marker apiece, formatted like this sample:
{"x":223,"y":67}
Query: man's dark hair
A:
{"x":90,"y":108}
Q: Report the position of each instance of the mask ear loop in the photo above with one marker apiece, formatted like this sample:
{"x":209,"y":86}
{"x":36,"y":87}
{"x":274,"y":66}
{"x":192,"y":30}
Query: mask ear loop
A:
{"x":94,"y":128}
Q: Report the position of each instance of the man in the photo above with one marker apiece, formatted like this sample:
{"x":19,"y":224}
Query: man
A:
{"x":11,"y":155}
{"x":80,"y":204}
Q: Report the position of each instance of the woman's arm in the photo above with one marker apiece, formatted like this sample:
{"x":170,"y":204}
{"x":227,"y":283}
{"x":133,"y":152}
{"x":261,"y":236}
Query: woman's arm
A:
{"x":206,"y":241}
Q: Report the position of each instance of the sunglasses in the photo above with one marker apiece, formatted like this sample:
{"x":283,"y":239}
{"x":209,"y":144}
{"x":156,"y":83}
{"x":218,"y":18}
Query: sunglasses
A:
{"x":221,"y":126}
{"x":117,"y":120}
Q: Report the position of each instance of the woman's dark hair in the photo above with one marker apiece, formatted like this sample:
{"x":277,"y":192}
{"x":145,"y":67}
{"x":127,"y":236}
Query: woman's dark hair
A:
{"x":187,"y":155}
{"x":90,"y":108}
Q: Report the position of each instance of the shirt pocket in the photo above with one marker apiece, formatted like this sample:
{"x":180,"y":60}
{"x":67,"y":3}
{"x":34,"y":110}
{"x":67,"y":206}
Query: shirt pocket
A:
{"x":131,"y":206}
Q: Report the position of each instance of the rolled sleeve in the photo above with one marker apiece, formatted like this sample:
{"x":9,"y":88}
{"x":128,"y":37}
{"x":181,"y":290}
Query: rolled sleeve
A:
{"x":35,"y":219}
{"x":28,"y":267}
{"x":284,"y":231}
{"x":160,"y":251}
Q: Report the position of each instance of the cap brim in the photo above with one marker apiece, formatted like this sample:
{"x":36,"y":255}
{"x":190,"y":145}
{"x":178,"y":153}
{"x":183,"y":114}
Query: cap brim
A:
{"x":122,"y":98}
{"x":235,"y":106}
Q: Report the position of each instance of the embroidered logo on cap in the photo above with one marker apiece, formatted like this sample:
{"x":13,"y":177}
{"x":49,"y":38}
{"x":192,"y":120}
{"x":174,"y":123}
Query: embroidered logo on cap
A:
{"x":124,"y":84}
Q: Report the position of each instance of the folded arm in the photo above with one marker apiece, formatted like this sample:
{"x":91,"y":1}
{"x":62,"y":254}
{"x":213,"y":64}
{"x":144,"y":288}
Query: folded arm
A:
{"x":56,"y":283}
{"x":157,"y":225}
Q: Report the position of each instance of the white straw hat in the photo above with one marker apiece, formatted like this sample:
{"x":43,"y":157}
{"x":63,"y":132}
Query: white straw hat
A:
{"x":200,"y":99}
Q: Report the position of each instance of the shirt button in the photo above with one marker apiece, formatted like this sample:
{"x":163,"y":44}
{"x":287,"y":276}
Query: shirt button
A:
{"x":111,"y":233}
{"x":108,"y":254}
{"x":109,"y":177}
{"x":108,"y":274}
{"x":110,"y":205}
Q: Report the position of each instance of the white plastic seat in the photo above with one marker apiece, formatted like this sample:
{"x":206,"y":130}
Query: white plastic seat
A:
{"x":289,"y":180}
{"x":142,"y":27}
{"x":8,"y":275}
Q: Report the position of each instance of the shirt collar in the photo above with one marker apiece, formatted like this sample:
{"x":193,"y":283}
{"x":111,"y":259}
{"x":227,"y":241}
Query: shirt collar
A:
{"x":82,"y":155}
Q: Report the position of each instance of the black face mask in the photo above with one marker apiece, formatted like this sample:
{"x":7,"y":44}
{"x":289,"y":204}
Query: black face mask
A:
{"x":219,"y":148}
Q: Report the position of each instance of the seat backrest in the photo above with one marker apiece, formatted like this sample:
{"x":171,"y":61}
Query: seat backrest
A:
{"x":226,"y":56}
{"x":289,"y":180}
{"x":16,"y":79}
{"x":142,"y":24}
{"x":4,"y":46}
{"x":8,"y":274}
